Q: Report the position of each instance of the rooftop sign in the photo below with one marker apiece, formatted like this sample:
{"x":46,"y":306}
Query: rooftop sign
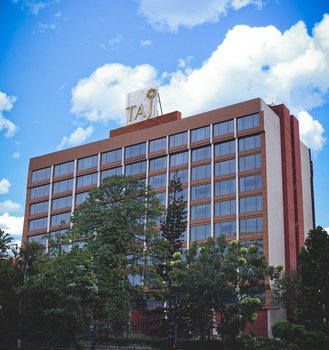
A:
{"x":141,"y":105}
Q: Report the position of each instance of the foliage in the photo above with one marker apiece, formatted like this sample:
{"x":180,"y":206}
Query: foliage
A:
{"x":306,"y":295}
{"x":115,"y":223}
{"x":220,"y":287}
{"x":172,"y":229}
{"x":58,"y":296}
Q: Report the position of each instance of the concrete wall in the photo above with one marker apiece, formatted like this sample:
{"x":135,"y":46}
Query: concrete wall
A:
{"x":307,"y":188}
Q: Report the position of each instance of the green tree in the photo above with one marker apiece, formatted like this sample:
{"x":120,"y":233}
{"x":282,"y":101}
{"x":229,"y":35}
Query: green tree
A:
{"x":221,"y":287}
{"x":58,"y":297}
{"x":306,"y":296}
{"x":116,"y":223}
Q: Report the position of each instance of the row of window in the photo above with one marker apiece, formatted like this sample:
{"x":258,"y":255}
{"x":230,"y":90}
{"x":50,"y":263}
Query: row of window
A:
{"x":226,"y":167}
{"x":221,"y":188}
{"x":203,"y":211}
{"x":227,"y":228}
{"x":199,"y":232}
{"x":227,"y":207}
{"x":179,"y":139}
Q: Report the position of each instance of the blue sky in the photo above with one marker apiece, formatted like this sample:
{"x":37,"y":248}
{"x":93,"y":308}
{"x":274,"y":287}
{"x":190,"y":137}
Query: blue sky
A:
{"x":65,"y":67}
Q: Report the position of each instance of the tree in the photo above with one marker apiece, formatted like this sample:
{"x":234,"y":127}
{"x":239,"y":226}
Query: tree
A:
{"x":58,"y":297}
{"x":314,"y":272}
{"x":306,"y":295}
{"x":220,"y":287}
{"x":116,"y":222}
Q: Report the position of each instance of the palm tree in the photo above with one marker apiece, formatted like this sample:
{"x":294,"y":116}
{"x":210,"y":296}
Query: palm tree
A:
{"x":6,"y":242}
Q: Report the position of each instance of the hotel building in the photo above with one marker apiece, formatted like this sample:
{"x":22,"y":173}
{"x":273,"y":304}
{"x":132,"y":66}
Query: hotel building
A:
{"x":246,"y":175}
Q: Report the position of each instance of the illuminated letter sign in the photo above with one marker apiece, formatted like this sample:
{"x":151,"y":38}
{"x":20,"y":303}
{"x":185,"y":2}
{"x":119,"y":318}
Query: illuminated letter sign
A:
{"x":141,"y":105}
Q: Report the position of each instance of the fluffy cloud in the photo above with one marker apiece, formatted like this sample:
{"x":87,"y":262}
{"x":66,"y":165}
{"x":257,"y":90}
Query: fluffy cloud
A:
{"x":4,"y":186}
{"x":9,"y":206}
{"x":290,"y":67}
{"x":6,"y":104}
{"x":34,"y":7}
{"x":77,"y":137}
{"x":102,"y":96}
{"x":171,"y":14}
{"x":12,"y":225}
{"x":311,"y":131}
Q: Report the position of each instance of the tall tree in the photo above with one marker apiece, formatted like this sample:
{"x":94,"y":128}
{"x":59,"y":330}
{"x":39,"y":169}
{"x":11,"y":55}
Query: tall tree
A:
{"x":220,"y":287}
{"x":116,"y":223}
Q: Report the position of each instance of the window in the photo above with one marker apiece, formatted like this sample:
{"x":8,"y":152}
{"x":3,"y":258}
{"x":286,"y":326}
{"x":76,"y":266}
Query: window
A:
{"x":200,"y":192}
{"x":224,"y":148}
{"x":41,"y":174}
{"x":81,"y":197}
{"x":252,"y":203}
{"x":225,"y":228}
{"x":63,"y":202}
{"x":200,"y":211}
{"x":225,"y":207}
{"x":179,"y":159}
{"x":61,"y":219}
{"x":250,"y":183}
{"x":200,"y":134}
{"x":136,"y":168}
{"x":56,"y":234}
{"x":88,"y":162}
{"x":40,"y":191}
{"x":111,"y":172}
{"x":64,"y":168}
{"x":224,"y":128}
{"x":225,"y":167}
{"x":39,"y":208}
{"x":111,"y":156}
{"x":162,"y":197}
{"x":41,"y":239}
{"x":200,"y":232}
{"x":178,"y":139}
{"x":158,"y":163}
{"x":182,"y":174}
{"x":62,"y":186}
{"x":158,"y":181}
{"x":225,"y":187}
{"x":258,"y":243}
{"x":38,"y":224}
{"x":251,"y":225}
{"x":135,"y":150}
{"x":250,"y":162}
{"x":158,"y":145}
{"x":201,"y":172}
{"x":249,"y":142}
{"x":201,"y":154}
{"x":87,"y":180}
{"x":248,"y":122}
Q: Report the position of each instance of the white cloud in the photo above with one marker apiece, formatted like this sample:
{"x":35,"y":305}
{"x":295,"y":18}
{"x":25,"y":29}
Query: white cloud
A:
{"x":6,"y":104}
{"x":16,"y":155}
{"x":12,"y":225}
{"x":101,"y":97}
{"x":311,"y":131}
{"x":4,"y":186}
{"x":77,"y":137}
{"x":171,"y":14}
{"x":146,"y":43}
{"x":292,"y":67}
{"x":34,"y":7}
{"x":9,"y":206}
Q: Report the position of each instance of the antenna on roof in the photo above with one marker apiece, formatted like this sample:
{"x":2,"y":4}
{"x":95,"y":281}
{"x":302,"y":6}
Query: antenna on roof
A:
{"x":272,"y":101}
{"x":160,"y":103}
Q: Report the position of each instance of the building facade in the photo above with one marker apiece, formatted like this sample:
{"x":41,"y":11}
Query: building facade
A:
{"x":246,"y":175}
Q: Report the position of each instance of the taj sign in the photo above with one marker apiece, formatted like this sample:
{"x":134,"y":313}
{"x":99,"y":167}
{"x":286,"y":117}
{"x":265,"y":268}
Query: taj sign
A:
{"x":141,"y":105}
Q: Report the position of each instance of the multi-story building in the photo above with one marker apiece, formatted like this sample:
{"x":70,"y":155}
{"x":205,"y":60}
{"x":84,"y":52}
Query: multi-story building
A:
{"x":245,"y":172}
